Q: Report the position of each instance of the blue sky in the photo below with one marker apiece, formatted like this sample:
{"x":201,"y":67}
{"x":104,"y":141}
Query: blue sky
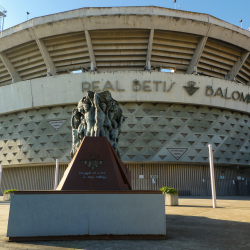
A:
{"x":231,"y":11}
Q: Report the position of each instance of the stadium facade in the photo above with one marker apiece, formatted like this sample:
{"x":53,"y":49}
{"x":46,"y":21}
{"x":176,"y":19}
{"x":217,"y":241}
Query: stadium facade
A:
{"x":170,"y":117}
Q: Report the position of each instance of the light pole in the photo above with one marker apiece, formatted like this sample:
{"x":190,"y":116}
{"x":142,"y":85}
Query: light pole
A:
{"x":28,"y":16}
{"x":3,"y":15}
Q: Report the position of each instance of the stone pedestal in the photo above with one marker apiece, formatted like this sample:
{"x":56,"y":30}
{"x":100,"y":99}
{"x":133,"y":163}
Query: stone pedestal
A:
{"x":171,"y":200}
{"x":62,"y":215}
{"x":96,"y":166}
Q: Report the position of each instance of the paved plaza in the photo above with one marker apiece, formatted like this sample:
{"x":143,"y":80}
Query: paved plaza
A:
{"x":194,"y":224}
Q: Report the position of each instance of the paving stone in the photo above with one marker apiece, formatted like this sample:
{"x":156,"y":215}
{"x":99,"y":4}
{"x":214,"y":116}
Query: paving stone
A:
{"x":194,"y":224}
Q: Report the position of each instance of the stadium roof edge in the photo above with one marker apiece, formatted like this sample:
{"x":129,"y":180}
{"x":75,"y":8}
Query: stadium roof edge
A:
{"x":128,"y":10}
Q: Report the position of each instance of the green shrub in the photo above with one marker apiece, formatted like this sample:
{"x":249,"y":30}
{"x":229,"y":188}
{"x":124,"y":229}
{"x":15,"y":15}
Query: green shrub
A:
{"x":10,"y":191}
{"x":167,"y":190}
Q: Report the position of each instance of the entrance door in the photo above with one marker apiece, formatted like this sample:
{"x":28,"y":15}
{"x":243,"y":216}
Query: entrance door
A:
{"x":242,"y":188}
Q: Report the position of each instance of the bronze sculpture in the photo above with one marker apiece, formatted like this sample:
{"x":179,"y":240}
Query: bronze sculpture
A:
{"x":97,"y":114}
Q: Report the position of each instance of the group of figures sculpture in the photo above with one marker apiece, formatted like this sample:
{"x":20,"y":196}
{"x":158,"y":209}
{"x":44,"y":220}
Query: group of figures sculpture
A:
{"x":97,"y":114}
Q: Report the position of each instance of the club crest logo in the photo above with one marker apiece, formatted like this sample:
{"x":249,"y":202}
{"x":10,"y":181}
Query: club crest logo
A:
{"x":191,"y":89}
{"x":93,"y":162}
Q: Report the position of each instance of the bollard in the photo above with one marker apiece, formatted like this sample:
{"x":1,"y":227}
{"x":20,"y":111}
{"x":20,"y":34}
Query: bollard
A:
{"x":1,"y":169}
{"x":56,"y":175}
{"x":211,"y":160}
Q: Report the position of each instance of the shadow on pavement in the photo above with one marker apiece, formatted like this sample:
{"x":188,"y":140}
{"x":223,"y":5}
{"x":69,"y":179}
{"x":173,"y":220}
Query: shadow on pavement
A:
{"x":208,"y":233}
{"x":4,"y":202}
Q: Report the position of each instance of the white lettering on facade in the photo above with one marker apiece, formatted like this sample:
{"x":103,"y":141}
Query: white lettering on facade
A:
{"x":145,"y":86}
{"x":235,"y":95}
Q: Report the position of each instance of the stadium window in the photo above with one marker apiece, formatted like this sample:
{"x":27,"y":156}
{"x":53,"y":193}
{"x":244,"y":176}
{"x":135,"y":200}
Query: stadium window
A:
{"x":167,"y":70}
{"x":76,"y":71}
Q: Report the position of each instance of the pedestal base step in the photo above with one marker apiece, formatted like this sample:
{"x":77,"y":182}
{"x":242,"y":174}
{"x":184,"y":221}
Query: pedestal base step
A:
{"x":73,"y":215}
{"x":90,"y":237}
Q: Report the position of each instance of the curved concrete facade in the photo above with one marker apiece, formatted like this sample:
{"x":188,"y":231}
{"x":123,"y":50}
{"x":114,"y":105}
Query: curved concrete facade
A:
{"x":170,"y":117}
{"x":151,"y":87}
{"x":162,"y":117}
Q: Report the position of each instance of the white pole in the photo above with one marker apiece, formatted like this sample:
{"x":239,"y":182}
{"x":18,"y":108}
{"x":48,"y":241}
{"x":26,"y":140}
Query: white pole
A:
{"x":211,"y":160}
{"x":56,"y":175}
{"x":1,"y":167}
{"x":2,"y":27}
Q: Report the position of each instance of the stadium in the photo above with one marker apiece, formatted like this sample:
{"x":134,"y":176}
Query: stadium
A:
{"x":181,"y":78}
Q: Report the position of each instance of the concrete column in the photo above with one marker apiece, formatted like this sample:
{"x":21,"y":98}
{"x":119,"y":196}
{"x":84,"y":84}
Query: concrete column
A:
{"x":237,"y":66}
{"x":51,"y":69}
{"x":150,"y":46}
{"x":91,"y":51}
{"x":197,"y":55}
{"x":12,"y":71}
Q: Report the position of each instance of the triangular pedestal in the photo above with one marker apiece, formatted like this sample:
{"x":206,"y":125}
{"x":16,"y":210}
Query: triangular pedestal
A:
{"x":96,"y":166}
